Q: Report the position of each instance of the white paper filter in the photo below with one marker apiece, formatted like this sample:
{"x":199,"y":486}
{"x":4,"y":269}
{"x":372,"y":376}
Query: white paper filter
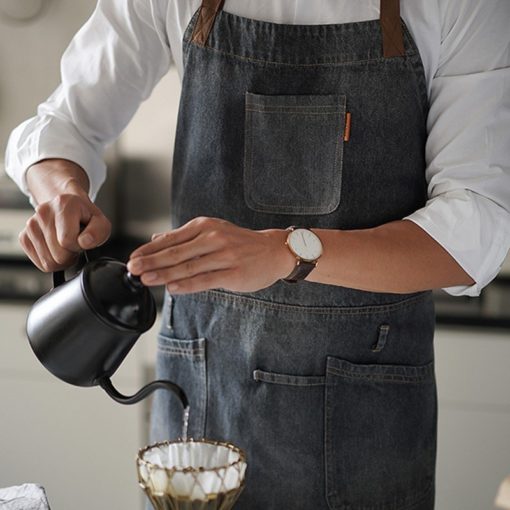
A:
{"x":191,"y":469}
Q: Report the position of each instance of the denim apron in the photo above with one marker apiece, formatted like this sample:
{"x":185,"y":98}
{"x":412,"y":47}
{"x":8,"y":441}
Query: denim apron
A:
{"x":329,"y":390}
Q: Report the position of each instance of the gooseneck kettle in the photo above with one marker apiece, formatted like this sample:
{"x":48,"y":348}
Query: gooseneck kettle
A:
{"x":83,"y":328}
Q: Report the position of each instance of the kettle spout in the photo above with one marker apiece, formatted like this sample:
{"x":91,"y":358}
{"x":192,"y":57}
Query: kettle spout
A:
{"x":107,"y":386}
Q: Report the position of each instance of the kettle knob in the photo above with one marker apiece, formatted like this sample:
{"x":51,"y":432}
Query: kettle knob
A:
{"x":134,"y":281}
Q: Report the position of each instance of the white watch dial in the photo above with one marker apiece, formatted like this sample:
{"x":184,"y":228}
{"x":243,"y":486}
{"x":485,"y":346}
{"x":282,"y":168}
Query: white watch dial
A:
{"x":305,"y":244}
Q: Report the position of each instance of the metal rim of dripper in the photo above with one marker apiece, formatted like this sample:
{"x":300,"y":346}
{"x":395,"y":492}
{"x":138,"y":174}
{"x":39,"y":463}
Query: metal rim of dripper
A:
{"x":232,"y":493}
{"x":171,"y":471}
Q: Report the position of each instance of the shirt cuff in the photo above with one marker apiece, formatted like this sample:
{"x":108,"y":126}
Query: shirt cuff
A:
{"x":50,"y":137}
{"x":474,"y":230}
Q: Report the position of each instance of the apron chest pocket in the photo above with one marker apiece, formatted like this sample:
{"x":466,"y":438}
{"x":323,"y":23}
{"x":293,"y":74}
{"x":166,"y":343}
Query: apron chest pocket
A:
{"x":293,"y":153}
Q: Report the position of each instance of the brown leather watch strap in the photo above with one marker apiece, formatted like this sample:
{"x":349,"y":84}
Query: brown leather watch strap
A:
{"x":391,"y":27}
{"x":300,"y":272}
{"x":205,"y":21}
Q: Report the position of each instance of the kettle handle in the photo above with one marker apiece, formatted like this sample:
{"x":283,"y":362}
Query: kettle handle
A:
{"x":59,"y":277}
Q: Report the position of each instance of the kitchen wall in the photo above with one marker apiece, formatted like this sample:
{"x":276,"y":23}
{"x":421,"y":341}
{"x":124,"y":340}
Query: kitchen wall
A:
{"x":29,"y":67}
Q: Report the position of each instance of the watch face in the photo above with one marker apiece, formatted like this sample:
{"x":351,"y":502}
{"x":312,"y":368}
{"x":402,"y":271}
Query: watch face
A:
{"x":305,"y":244}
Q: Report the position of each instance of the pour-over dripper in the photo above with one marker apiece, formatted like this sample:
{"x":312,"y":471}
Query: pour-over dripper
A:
{"x":191,"y":474}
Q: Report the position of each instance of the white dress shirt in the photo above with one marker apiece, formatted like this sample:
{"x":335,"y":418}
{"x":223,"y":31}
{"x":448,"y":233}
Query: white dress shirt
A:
{"x":127,"y":46}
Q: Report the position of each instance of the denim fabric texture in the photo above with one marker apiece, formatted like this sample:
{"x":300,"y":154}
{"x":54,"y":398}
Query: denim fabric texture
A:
{"x":330,"y":391}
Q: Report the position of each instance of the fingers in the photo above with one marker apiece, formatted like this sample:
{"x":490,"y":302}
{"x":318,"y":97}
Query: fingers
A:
{"x":96,"y":232}
{"x":187,"y":269}
{"x":29,"y":249}
{"x":50,"y":233}
{"x":185,"y":233}
{"x":49,"y":258}
{"x":169,"y":256}
{"x":52,"y":238}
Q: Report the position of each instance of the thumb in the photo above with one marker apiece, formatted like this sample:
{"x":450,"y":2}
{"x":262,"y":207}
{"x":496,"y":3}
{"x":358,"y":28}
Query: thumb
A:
{"x":96,"y":232}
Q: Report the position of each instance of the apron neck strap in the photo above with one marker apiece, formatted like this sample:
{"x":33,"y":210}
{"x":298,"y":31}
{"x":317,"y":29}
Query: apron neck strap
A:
{"x":392,"y":37}
{"x":205,"y":21}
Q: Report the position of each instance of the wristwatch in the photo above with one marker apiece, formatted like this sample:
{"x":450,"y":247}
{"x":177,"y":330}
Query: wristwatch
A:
{"x":306,"y":246}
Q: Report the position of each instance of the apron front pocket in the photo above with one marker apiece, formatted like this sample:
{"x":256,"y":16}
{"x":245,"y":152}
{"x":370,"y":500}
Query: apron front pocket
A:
{"x":293,"y":153}
{"x":380,"y":435}
{"x":288,"y":443}
{"x":183,"y":362}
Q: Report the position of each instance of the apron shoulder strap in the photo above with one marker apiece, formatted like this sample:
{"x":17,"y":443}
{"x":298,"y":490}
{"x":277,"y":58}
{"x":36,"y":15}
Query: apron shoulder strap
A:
{"x":392,"y":37}
{"x":205,"y":21}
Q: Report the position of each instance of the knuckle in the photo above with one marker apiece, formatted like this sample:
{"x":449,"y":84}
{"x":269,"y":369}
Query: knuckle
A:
{"x":42,"y":210}
{"x":174,"y":253}
{"x":22,"y":238}
{"x":213,"y":235}
{"x":61,"y":201}
{"x":46,"y":266}
{"x":31,"y":223}
{"x":201,"y":220}
{"x":61,"y":258}
{"x":189,"y":267}
{"x":66,"y":240}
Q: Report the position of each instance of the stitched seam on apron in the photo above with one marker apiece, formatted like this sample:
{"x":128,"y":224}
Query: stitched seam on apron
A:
{"x":334,"y":108}
{"x":363,"y":310}
{"x":255,"y":203}
{"x":290,"y":112}
{"x":316,"y":64}
{"x":184,"y":352}
{"x":381,"y":376}
{"x":288,"y":380}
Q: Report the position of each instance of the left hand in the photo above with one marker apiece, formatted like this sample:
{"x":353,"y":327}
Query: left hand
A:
{"x":208,"y":253}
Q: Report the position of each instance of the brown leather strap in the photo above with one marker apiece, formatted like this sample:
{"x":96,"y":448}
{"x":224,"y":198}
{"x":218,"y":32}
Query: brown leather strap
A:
{"x":205,"y":21}
{"x":301,"y":270}
{"x":393,"y":39}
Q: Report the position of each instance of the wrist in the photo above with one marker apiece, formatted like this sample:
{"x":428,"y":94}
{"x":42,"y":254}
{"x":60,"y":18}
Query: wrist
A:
{"x":282,"y":260}
{"x":52,"y":177}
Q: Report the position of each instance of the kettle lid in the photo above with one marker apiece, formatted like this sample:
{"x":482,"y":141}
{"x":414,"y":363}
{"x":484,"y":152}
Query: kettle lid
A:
{"x":116,"y":296}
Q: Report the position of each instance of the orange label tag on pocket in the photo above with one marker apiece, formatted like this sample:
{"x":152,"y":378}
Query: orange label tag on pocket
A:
{"x":347,"y":129}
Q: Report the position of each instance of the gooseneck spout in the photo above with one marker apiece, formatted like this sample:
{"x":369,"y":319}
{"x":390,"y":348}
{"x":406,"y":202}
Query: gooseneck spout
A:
{"x":107,"y":386}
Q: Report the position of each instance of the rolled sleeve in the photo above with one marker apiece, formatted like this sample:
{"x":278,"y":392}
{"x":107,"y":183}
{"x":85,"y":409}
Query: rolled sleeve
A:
{"x":458,"y":221}
{"x":48,"y":136}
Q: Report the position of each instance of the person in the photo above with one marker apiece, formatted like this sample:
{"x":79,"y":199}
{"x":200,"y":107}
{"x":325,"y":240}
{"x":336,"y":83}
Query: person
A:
{"x":334,"y":162}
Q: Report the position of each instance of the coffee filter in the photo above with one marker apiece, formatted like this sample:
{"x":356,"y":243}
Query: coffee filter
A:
{"x":175,"y":472}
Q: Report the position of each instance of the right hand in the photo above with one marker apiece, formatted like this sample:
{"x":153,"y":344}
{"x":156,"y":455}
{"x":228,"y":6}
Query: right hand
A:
{"x":53,"y":238}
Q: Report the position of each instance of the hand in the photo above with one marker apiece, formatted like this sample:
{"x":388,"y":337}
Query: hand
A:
{"x":52,"y":238}
{"x":208,"y":253}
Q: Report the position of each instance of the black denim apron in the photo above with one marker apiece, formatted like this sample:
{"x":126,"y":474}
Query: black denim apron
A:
{"x":329,"y":390}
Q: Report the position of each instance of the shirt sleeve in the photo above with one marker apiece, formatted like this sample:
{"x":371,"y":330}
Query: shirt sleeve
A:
{"x":110,"y":67}
{"x":468,"y":146}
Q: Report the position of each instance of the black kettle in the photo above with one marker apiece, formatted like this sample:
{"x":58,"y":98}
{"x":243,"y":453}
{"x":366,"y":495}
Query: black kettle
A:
{"x":82,"y":329}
